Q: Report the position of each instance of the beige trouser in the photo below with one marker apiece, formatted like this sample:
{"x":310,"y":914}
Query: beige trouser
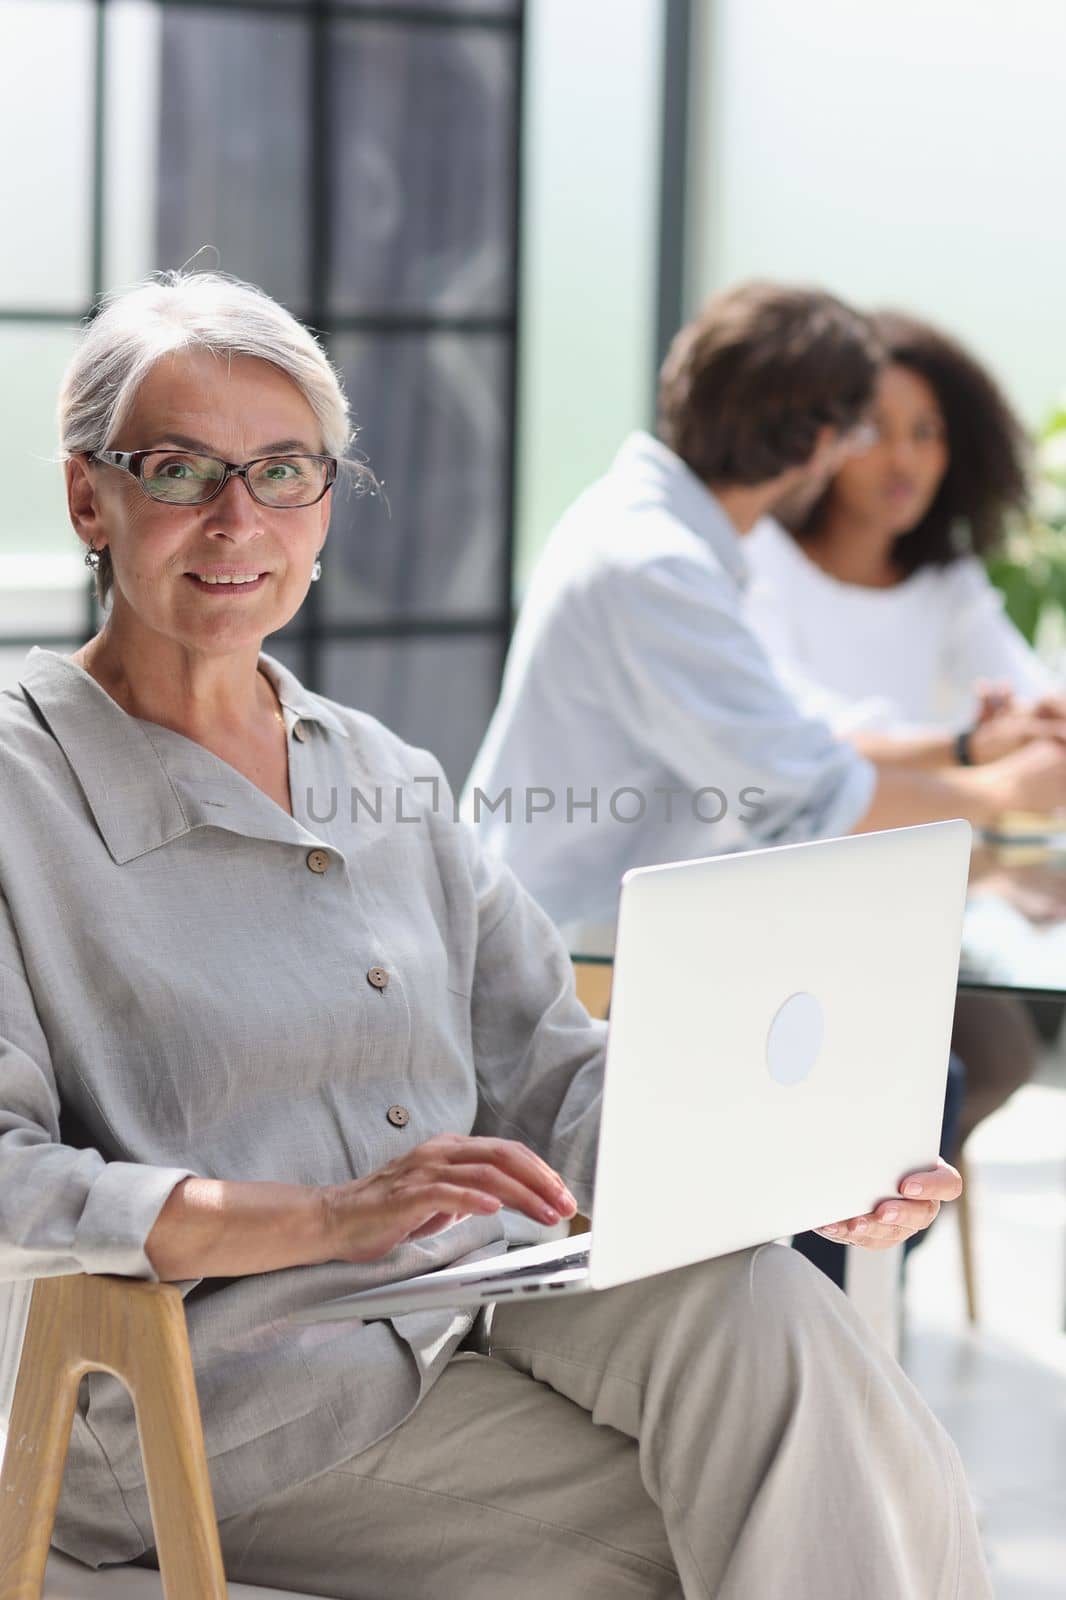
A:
{"x":728,"y":1430}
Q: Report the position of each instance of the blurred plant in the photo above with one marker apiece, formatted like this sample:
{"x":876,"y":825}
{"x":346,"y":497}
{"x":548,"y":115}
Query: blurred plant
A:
{"x":1031,"y":568}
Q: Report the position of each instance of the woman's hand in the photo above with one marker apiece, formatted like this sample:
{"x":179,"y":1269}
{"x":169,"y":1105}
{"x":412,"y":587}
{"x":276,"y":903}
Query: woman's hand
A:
{"x":1031,"y":778}
{"x":1003,"y":724}
{"x":1012,"y":730}
{"x":1052,"y":706}
{"x":449,"y":1177}
{"x":215,"y":1228}
{"x":921,"y":1195}
{"x":992,"y":700}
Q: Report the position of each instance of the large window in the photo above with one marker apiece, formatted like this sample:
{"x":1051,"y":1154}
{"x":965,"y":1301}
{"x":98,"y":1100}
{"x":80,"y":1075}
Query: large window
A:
{"x":360,"y":162}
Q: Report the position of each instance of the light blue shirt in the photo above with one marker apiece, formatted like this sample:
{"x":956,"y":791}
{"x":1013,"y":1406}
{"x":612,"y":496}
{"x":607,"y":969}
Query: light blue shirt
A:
{"x":640,"y":719}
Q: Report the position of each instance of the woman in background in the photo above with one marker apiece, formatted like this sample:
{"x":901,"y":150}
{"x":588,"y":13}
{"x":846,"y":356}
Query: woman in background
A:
{"x":876,"y":607}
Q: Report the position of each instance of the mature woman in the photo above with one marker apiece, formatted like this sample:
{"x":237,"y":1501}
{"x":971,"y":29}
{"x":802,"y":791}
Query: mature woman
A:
{"x":275,"y":1059}
{"x":876,"y":606}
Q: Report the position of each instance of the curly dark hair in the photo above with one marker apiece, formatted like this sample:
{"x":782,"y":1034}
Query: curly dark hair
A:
{"x":749,"y":382}
{"x":986,"y":478}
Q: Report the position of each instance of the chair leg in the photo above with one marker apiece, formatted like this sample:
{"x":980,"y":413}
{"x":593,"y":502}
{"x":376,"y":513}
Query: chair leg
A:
{"x":136,"y":1331}
{"x":969,"y":1265}
{"x":42,"y":1413}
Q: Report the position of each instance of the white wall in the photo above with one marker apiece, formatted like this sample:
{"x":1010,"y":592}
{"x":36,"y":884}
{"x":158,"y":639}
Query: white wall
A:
{"x":589,"y":234}
{"x":903,"y":151}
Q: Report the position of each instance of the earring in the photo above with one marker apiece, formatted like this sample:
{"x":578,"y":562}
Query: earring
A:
{"x":316,"y":571}
{"x":92,"y":558}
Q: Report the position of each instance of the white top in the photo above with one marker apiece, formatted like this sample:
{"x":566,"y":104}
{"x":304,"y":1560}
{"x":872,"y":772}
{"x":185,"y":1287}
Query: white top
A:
{"x":885,"y":659}
{"x":640,"y":720}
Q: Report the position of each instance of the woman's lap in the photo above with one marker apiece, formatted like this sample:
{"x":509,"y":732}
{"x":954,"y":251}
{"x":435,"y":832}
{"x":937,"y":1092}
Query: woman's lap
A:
{"x":730,"y":1430}
{"x":495,"y":1486}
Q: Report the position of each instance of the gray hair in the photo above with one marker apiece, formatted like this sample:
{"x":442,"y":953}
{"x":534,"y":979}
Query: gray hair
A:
{"x":134,"y":328}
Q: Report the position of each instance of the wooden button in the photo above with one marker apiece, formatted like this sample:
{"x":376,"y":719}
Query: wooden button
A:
{"x":299,"y":731}
{"x":378,"y":977}
{"x":399,"y":1116}
{"x":318,"y":860}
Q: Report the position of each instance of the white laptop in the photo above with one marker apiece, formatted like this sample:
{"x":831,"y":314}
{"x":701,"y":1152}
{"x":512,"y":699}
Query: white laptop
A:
{"x":776,"y":1060}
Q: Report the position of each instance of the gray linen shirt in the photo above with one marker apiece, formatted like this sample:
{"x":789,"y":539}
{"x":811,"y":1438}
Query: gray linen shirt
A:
{"x":641,"y":719}
{"x":184,"y":989}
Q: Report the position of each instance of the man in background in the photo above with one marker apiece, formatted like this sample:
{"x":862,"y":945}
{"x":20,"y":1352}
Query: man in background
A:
{"x":640,"y":719}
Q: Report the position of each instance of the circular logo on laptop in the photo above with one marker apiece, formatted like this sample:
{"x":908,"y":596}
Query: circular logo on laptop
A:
{"x":794,"y":1039}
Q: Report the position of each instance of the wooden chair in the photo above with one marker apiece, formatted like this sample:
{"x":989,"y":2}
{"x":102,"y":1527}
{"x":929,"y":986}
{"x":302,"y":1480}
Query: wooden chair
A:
{"x":964,"y":1214}
{"x":593,"y":983}
{"x":136,"y":1331}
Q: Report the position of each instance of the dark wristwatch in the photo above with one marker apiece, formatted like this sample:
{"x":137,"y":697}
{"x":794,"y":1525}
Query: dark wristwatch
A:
{"x":963,"y":752}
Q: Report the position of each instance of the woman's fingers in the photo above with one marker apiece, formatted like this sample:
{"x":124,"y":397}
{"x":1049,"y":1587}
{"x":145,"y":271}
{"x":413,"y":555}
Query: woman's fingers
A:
{"x":920,"y":1197}
{"x":525,"y":1165}
{"x":482,"y":1179}
{"x":509,"y":1169}
{"x":941,"y":1183}
{"x":889,"y":1223}
{"x":428,"y":1188}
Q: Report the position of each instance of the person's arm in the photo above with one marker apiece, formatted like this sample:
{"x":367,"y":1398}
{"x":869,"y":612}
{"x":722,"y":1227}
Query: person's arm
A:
{"x":65,"y":1209}
{"x":926,"y":750}
{"x":699,"y":692}
{"x":921,"y":750}
{"x":213,"y":1228}
{"x":1032,"y":778}
{"x":62,"y":1209}
{"x":210,"y":1228}
{"x":698,"y":697}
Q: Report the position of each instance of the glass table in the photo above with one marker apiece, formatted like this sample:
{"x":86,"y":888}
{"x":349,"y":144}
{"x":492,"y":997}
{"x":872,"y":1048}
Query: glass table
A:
{"x":1014,"y":929}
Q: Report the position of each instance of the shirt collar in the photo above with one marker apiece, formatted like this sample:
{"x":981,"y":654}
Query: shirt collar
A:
{"x":305,"y":706}
{"x":651,"y":470}
{"x":136,"y":802}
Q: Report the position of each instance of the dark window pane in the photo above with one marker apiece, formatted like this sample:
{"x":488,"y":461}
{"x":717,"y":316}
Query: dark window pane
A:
{"x":424,"y":191}
{"x":433,"y":419}
{"x":233,"y":148}
{"x":435,"y":693}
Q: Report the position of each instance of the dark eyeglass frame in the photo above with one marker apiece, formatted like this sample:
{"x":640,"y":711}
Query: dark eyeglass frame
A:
{"x":132,"y":461}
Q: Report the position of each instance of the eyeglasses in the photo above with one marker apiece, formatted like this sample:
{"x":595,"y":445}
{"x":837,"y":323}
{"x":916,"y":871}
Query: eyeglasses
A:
{"x":180,"y":478}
